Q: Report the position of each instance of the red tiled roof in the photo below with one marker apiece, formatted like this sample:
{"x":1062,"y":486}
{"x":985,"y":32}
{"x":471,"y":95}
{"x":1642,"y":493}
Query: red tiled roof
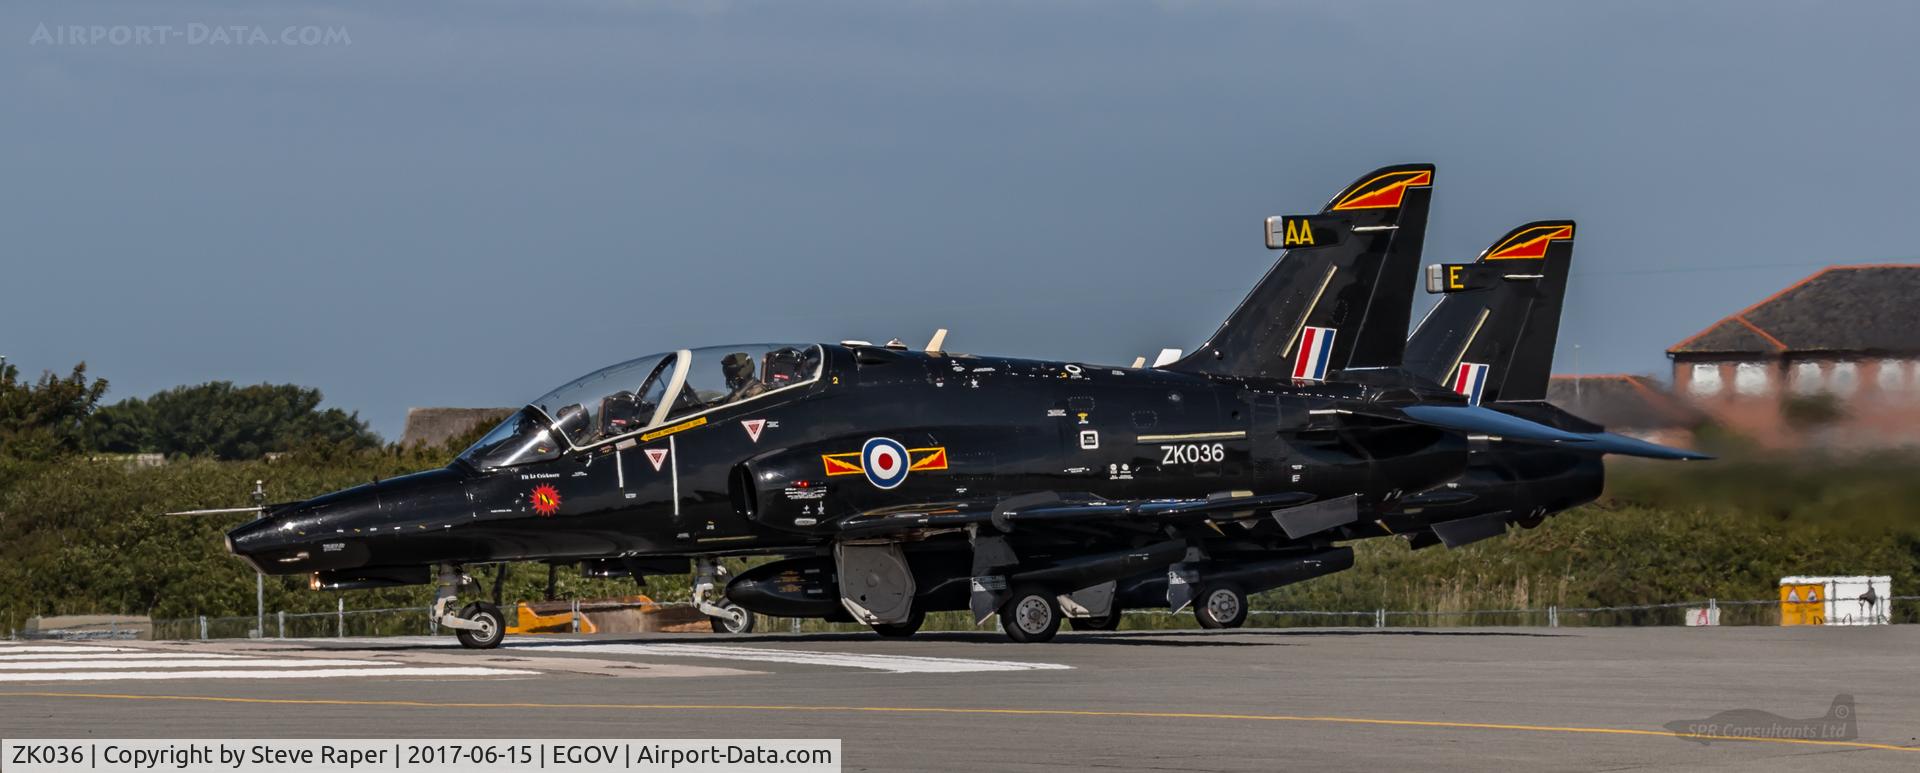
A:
{"x":1840,"y":309}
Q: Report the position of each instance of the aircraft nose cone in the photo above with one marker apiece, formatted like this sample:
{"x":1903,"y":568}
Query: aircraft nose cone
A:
{"x":308,"y":536}
{"x":269,"y":542}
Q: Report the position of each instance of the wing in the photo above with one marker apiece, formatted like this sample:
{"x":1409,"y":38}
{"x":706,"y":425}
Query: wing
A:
{"x":1049,"y":508}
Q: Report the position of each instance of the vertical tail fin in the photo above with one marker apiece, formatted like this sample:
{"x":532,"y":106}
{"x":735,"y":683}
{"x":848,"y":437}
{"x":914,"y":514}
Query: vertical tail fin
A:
{"x":1340,"y":295}
{"x":1492,"y":337}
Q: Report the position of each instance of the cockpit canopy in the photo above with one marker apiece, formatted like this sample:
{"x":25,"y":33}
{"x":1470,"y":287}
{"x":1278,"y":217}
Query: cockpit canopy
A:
{"x":636,"y":395}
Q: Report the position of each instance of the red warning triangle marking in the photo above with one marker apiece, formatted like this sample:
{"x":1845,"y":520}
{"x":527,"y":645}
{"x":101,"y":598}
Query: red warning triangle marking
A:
{"x":753,"y":427}
{"x":1793,"y":596}
{"x":658,"y":456}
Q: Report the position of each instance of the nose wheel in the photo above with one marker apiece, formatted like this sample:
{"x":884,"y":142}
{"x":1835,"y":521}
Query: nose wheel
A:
{"x":491,"y":631}
{"x":732,"y":618}
{"x":709,"y":596}
{"x":479,"y":625}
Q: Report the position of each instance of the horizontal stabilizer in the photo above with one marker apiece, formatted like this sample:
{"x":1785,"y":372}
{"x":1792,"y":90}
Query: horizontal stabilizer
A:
{"x":1467,"y":531}
{"x":1610,"y":443}
{"x":1475,"y":420}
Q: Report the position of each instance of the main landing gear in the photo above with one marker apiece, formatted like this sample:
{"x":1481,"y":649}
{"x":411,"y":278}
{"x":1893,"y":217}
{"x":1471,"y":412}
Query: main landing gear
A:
{"x":1221,"y":605}
{"x":1107,"y":622}
{"x":479,"y":625}
{"x":1031,"y":614}
{"x":902,"y":630}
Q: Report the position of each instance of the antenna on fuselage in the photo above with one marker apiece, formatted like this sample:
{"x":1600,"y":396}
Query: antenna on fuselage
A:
{"x":938,"y":342}
{"x":1138,"y":363}
{"x":1166,"y":356}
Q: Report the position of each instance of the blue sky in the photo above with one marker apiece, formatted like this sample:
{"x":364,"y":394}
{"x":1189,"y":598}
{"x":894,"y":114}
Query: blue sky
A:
{"x":469,"y":203}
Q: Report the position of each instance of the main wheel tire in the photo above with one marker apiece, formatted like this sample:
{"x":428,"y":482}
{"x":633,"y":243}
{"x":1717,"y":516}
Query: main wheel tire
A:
{"x":1221,"y":605}
{"x":493,"y":627}
{"x":1107,"y":622}
{"x":740,"y":622}
{"x":904,"y":629}
{"x":1031,"y":614}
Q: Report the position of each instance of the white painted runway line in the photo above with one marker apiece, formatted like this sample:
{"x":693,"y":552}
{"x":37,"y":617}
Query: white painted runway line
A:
{"x":77,"y":663}
{"x":84,"y":665}
{"x":899,"y":664}
{"x":314,"y":673}
{"x":8,"y":657}
{"x":903,"y":664}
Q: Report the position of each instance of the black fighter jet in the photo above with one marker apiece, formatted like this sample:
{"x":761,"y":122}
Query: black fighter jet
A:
{"x":1491,"y":339}
{"x":891,"y":482}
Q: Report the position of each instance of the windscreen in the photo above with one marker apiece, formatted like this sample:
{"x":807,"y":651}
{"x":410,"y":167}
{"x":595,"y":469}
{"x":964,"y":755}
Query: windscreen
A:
{"x":524,"y":437}
{"x":610,"y":401}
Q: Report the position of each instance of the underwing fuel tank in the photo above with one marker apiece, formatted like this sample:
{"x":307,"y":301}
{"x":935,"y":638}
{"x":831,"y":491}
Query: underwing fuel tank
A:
{"x":377,"y":577}
{"x":810,"y":586}
{"x":796,"y":587}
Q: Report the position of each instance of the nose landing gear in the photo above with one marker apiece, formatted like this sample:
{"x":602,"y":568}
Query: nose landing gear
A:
{"x":726,"y":616}
{"x":479,"y":625}
{"x":491,"y":631}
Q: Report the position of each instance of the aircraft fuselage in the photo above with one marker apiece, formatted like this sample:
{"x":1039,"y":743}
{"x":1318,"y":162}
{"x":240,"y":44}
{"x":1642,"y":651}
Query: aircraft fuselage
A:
{"x":781,"y":473}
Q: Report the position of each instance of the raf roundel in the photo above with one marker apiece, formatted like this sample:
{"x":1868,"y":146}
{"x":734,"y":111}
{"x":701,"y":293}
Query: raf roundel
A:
{"x":885,"y":461}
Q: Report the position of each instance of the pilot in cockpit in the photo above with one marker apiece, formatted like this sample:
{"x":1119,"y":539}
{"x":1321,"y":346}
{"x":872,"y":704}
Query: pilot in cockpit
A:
{"x":576,"y":423}
{"x":741,"y":382}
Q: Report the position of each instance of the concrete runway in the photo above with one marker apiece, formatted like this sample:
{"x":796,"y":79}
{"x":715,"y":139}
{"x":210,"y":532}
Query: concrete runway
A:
{"x":1331,"y":699}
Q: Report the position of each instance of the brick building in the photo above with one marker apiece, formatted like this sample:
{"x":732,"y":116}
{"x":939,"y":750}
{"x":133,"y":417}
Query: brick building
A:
{"x":1832,"y":360}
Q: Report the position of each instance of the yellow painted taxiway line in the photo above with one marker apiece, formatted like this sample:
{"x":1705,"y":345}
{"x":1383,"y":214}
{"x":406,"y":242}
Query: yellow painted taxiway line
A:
{"x":941,"y":710}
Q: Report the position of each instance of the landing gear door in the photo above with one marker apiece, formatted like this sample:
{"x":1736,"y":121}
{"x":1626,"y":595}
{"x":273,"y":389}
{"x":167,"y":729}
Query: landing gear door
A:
{"x":876,"y":584}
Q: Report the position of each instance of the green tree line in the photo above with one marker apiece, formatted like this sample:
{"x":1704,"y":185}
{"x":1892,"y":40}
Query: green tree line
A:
{"x":82,"y":530}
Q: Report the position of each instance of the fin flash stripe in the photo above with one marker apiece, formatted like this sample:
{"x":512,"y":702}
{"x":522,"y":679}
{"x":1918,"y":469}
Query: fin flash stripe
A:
{"x":1383,"y":192}
{"x":1530,"y":243}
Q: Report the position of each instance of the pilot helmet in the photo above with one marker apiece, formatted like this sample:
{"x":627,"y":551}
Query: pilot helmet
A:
{"x":737,"y":367}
